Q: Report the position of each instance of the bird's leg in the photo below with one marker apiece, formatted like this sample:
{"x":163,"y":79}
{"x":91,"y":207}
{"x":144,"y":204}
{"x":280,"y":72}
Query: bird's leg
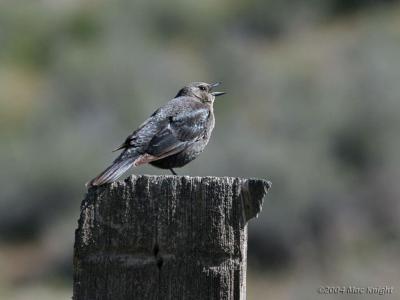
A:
{"x":172,"y":171}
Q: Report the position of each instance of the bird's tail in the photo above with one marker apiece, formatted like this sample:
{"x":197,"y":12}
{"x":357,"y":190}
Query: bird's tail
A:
{"x":113,"y":172}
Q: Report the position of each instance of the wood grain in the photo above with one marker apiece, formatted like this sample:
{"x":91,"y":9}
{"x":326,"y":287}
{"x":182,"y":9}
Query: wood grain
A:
{"x":165,"y":237}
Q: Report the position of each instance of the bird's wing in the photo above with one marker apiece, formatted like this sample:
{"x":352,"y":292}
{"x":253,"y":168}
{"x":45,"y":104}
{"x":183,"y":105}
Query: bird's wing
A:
{"x":179,"y":131}
{"x":133,"y":140}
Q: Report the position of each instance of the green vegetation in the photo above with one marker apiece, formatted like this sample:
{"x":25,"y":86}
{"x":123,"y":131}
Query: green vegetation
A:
{"x":313,"y":106}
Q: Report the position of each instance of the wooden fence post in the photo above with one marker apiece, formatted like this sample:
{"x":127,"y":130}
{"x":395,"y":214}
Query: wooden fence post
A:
{"x":165,"y":237}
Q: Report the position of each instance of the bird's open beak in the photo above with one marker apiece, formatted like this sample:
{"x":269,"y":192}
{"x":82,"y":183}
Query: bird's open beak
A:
{"x":213,"y":85}
{"x":216,"y":94}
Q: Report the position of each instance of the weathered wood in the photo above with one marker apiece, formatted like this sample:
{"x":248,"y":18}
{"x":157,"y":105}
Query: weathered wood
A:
{"x":165,"y":237}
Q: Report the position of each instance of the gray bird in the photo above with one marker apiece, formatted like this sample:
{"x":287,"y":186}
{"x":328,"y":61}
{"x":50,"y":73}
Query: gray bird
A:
{"x":171,"y":137}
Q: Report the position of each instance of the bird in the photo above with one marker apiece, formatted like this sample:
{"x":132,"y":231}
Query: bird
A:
{"x":174,"y":135}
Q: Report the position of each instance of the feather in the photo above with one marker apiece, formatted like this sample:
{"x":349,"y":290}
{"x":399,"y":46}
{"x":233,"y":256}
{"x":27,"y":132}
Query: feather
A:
{"x":112,"y":173}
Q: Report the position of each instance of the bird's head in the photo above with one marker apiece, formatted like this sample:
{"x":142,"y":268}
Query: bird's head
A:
{"x":201,"y":90}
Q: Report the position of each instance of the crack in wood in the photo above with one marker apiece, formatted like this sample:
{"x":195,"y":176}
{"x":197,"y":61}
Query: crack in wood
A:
{"x":166,"y":237}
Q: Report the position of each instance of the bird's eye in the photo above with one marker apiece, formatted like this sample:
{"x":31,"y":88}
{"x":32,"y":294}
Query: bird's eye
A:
{"x":202,"y":88}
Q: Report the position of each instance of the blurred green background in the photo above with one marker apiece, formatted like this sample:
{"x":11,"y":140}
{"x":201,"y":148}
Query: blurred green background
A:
{"x":313,"y":106}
